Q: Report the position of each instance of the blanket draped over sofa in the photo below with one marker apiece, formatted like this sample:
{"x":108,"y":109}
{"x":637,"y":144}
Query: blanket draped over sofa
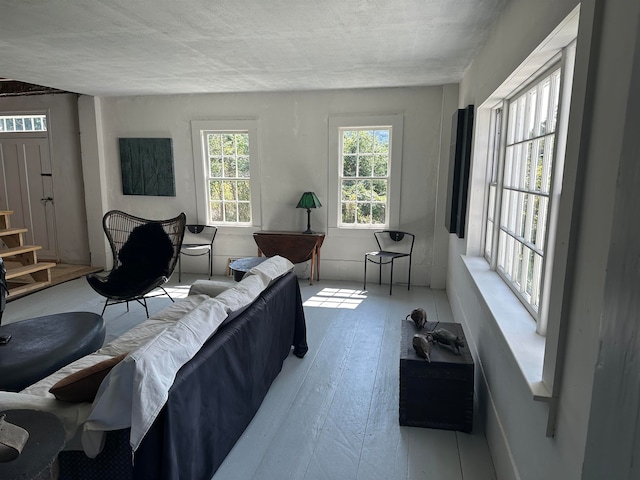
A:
{"x":212,"y":399}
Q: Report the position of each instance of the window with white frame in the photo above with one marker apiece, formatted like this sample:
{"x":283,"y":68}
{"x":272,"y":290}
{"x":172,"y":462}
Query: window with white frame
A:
{"x":365,"y":171}
{"x":225,"y":193}
{"x":23,"y":123}
{"x":228,"y":177}
{"x":364,"y":175}
{"x":511,"y":127}
{"x":521,"y":186}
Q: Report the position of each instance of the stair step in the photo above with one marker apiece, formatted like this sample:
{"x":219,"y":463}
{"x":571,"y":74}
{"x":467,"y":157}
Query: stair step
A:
{"x":12,"y":237}
{"x":19,"y":291}
{"x":13,"y":251}
{"x":28,"y":275}
{"x":4,"y":219}
{"x":37,"y":271}
{"x":12,"y":231}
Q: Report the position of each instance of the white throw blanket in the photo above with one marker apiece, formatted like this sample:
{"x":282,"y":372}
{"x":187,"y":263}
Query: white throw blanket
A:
{"x":137,"y":388}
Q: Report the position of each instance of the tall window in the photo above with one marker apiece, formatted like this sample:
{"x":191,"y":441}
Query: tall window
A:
{"x":520,"y":191}
{"x":226,"y":159}
{"x":364,"y":175}
{"x":229,"y":177}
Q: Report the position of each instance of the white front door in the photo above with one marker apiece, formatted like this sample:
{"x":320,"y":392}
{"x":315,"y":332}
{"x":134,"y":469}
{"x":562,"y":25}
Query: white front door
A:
{"x":26,"y":187}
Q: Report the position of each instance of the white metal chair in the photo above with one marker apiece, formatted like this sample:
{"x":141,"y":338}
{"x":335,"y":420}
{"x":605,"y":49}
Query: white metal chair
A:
{"x":198,"y":240}
{"x":392,"y":244}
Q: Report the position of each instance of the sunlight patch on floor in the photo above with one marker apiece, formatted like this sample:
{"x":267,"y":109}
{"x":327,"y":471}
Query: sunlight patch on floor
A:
{"x":177,"y":291}
{"x":337,"y":298}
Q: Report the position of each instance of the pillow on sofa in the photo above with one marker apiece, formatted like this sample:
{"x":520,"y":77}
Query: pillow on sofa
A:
{"x":271,"y":269}
{"x":83,"y":385}
{"x":213,"y":288}
{"x":243,"y":294}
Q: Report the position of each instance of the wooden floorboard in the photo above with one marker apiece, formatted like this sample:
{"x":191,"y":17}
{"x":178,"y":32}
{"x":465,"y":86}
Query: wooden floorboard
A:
{"x":333,"y":414}
{"x":384,"y":454}
{"x":301,"y":427}
{"x":339,"y":446}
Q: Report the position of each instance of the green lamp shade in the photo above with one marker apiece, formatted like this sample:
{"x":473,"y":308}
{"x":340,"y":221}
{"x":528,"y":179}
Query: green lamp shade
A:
{"x":309,"y":200}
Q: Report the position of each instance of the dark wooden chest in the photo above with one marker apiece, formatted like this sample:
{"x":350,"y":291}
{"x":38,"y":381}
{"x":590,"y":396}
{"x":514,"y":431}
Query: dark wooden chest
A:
{"x":436,"y":394}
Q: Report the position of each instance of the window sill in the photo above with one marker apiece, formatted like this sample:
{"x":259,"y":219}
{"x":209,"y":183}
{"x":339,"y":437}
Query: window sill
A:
{"x":515,"y":323}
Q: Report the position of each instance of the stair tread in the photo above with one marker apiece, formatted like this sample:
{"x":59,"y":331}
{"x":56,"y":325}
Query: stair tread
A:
{"x":27,"y":269}
{"x":26,"y":288}
{"x":9,"y":252}
{"x":12,"y":231}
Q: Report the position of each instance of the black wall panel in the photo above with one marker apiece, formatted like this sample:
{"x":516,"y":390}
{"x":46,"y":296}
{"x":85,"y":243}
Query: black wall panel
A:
{"x":459,"y":163}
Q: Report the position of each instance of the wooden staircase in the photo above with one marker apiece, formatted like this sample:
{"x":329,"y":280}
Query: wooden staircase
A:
{"x":24,"y":272}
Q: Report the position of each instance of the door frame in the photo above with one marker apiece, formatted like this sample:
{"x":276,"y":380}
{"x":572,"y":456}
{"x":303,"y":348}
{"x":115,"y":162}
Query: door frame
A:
{"x":48,"y":217}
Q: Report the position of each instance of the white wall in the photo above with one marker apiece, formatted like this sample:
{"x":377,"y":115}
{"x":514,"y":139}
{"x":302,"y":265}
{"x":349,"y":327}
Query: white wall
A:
{"x":293,"y":142}
{"x":515,"y":423}
{"x":94,"y":178}
{"x":71,"y":224}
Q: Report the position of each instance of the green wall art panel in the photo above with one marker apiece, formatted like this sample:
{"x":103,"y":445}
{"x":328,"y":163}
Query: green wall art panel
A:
{"x":147,"y":166}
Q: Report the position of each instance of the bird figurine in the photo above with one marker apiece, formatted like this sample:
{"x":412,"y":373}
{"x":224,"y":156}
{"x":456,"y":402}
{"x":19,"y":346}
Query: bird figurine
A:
{"x":445,"y":337}
{"x":422,"y":346}
{"x":419,"y":317}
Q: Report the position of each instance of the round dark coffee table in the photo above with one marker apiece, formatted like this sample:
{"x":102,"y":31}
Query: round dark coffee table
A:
{"x":40,"y":346}
{"x":243,"y":265}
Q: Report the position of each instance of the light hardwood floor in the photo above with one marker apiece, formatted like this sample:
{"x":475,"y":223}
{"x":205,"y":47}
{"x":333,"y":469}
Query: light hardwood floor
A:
{"x":334,"y":414}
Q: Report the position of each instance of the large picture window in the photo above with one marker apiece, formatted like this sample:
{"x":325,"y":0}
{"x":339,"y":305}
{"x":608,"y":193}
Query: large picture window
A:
{"x":524,"y":185}
{"x":521,"y":190}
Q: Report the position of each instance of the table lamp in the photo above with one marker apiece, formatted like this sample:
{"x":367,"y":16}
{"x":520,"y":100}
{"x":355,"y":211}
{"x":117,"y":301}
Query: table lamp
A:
{"x":309,"y":201}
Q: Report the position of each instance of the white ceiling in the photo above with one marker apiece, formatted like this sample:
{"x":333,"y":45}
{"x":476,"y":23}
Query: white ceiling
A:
{"x":146,"y":47}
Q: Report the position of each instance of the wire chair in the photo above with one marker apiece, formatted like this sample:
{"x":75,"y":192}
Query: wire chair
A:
{"x":145,"y":253}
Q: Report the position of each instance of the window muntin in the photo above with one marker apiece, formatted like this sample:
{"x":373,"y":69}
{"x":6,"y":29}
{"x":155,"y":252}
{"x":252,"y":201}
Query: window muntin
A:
{"x":365,"y":165}
{"x":228,"y":177}
{"x":493,"y":185}
{"x":520,"y":203}
{"x":23,"y":123}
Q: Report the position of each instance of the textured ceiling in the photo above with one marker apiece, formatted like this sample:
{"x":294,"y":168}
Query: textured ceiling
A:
{"x":147,"y":47}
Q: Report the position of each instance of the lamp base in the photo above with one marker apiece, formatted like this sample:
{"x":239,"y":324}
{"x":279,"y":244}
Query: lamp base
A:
{"x":308,"y":221}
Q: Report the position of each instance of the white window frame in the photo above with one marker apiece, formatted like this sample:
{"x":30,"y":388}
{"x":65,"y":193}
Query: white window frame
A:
{"x":23,"y":119}
{"x":199,"y":128}
{"x":364,"y":122}
{"x":536,"y":347}
{"x":494,"y":233}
